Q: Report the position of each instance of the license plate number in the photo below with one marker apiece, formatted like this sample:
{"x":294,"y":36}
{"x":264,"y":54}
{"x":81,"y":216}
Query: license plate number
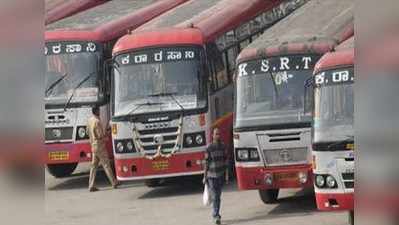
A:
{"x":58,"y":156}
{"x":286,"y":176}
{"x":160,"y":165}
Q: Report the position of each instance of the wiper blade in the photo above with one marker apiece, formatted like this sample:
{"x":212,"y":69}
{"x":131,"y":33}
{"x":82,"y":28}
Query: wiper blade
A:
{"x":349,"y":138}
{"x":77,"y":86}
{"x":52,"y":86}
{"x":274,"y":83}
{"x":166,"y":94}
{"x":162,"y":94}
{"x":143,"y":104}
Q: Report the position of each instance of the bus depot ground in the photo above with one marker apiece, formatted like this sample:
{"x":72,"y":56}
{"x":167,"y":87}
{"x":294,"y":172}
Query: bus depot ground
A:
{"x":68,"y":202}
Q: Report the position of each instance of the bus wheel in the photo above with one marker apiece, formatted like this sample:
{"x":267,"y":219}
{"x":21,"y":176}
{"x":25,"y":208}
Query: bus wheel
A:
{"x":269,"y":196}
{"x":351,"y":217}
{"x":61,"y":170}
{"x":153,"y":182}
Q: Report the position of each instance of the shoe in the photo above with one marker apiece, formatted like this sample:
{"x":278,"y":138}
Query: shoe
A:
{"x":218,"y":220}
{"x":93,"y":189}
{"x":116,"y":185}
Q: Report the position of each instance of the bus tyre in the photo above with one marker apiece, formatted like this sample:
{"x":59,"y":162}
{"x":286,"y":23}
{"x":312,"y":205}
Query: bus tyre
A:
{"x":269,"y":196}
{"x":351,"y":217}
{"x":61,"y":170}
{"x":153,"y":182}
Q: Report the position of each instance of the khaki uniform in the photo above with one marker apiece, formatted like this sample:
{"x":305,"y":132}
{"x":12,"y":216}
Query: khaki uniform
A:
{"x":99,"y":152}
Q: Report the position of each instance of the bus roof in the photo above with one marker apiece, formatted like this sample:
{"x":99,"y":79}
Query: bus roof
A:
{"x":59,"y":9}
{"x":109,"y":20}
{"x":210,"y":17}
{"x":316,"y":27}
{"x":343,"y":55}
{"x":180,"y":14}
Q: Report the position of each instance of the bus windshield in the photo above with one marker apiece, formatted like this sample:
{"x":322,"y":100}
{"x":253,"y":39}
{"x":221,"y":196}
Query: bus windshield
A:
{"x":162,"y":79}
{"x":271,"y":91}
{"x":271,"y":98}
{"x":72,"y":74}
{"x":334,"y":108}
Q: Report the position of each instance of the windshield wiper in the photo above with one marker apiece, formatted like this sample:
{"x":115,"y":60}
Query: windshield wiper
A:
{"x":141,"y":105}
{"x":77,"y":86}
{"x":168,"y":94}
{"x":349,"y":138}
{"x":52,"y":86}
{"x":274,"y":84}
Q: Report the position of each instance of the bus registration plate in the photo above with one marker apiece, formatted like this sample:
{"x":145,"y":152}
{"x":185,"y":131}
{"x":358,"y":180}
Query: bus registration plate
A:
{"x":286,"y":176}
{"x":160,"y":165}
{"x":58,"y":156}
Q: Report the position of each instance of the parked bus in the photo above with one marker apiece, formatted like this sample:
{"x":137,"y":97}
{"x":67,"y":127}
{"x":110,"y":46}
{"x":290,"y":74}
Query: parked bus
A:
{"x":333,"y":129}
{"x":78,"y":52}
{"x":272,"y":134}
{"x":173,"y":83}
{"x":59,"y":9}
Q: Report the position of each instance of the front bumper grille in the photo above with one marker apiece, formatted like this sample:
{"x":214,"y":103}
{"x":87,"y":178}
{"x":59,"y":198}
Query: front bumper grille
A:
{"x":147,"y":139}
{"x":286,"y":156}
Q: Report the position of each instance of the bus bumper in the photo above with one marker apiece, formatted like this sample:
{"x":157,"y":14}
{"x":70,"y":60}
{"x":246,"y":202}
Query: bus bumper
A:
{"x":336,"y":201}
{"x":282,"y":177}
{"x":67,"y":153}
{"x":182,"y":164}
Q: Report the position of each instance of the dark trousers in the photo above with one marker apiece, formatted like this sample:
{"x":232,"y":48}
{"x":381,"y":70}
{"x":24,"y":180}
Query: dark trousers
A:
{"x":215,"y":188}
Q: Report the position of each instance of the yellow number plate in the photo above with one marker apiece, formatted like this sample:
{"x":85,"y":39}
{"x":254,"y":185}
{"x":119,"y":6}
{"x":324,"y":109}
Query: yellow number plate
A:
{"x":286,"y":176}
{"x":350,"y":147}
{"x":160,"y":165}
{"x":58,"y":156}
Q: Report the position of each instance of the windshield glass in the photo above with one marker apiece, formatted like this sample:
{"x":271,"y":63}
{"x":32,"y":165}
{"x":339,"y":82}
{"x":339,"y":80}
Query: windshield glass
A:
{"x":161,"y":79}
{"x":267,"y":97}
{"x":334,"y":106}
{"x":65,"y":71}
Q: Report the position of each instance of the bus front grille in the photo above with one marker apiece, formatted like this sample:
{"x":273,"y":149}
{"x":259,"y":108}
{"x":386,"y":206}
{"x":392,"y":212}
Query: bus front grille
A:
{"x":147,"y":136}
{"x":286,"y":156}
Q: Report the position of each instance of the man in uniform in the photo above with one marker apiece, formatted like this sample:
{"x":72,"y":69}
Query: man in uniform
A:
{"x":99,"y":152}
{"x":215,"y":166}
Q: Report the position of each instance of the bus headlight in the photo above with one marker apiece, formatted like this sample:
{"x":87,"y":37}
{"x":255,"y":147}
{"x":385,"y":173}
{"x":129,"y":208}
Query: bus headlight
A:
{"x":330,"y":181}
{"x":254,"y":154}
{"x":199,"y":139}
{"x":119,"y":147}
{"x":192,"y":140}
{"x":303,"y":177}
{"x":320,"y":181}
{"x":82,"y":132}
{"x":243,"y":154}
{"x":129,"y":145}
{"x":189,"y":140}
{"x":247,"y":154}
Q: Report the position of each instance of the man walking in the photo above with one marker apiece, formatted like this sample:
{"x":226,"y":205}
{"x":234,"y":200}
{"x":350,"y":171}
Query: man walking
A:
{"x":215,"y":166}
{"x":99,"y":152}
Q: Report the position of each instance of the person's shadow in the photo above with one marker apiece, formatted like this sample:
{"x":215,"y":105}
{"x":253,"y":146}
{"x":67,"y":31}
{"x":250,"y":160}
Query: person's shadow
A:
{"x":302,"y":203}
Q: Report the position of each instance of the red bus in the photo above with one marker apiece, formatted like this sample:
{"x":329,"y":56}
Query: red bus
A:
{"x":272,"y":133}
{"x":59,"y":9}
{"x":333,"y":129}
{"x":173,"y":83}
{"x":77,"y":50}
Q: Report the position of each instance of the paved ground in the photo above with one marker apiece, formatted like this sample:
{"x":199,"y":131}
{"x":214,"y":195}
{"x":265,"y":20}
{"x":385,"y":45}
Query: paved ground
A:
{"x":68,"y":202}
